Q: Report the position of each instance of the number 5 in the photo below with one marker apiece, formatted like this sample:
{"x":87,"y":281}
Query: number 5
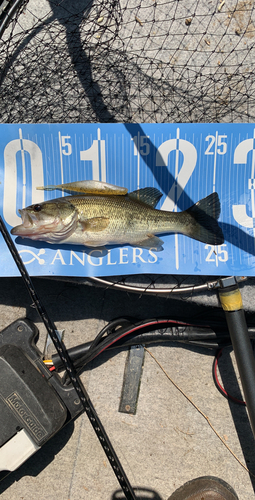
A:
{"x":66,"y":144}
{"x":223,"y":144}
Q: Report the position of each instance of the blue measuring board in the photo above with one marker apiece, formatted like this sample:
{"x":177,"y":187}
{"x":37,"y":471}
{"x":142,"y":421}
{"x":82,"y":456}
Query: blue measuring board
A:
{"x":186,"y":162}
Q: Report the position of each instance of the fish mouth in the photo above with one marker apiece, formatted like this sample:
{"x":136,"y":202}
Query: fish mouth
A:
{"x":27,"y":227}
{"x":27,"y":220}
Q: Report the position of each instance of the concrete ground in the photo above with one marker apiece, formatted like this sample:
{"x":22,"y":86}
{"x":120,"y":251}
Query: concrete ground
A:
{"x":169,"y":441}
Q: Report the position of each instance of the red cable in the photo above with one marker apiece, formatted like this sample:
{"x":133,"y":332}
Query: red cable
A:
{"x":152,"y":323}
{"x":218,"y":384}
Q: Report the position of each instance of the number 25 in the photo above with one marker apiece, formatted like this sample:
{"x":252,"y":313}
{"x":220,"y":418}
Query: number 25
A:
{"x":213,"y":255}
{"x":220,"y":144}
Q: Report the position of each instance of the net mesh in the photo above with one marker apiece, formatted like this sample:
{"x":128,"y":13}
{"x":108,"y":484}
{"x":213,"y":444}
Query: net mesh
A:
{"x":128,"y":61}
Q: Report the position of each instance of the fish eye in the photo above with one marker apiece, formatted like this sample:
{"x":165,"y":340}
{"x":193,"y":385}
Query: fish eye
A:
{"x":37,"y":208}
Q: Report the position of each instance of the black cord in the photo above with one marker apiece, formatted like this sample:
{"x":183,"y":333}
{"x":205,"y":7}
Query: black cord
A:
{"x":109,"y":328}
{"x":144,"y":332}
{"x":86,"y":351}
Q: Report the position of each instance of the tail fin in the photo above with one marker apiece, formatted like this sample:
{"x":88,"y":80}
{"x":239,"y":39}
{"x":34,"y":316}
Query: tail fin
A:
{"x":205,"y":214}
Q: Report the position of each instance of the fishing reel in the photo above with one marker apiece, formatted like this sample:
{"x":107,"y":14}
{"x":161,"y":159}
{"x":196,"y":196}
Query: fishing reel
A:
{"x":34,"y":404}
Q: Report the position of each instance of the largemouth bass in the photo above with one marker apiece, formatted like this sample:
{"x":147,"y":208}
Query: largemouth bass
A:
{"x":116,"y":219}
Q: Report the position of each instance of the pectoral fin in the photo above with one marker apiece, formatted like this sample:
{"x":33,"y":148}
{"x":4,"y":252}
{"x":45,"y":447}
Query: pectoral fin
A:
{"x":88,"y":187}
{"x":151,"y":242}
{"x":95,"y":224}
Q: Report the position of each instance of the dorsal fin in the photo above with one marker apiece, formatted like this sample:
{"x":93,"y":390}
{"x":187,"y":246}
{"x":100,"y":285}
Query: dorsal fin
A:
{"x":150,"y":196}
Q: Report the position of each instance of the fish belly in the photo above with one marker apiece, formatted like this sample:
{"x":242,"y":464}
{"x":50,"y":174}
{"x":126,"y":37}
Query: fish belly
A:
{"x":124,"y":222}
{"x":115,"y":236}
